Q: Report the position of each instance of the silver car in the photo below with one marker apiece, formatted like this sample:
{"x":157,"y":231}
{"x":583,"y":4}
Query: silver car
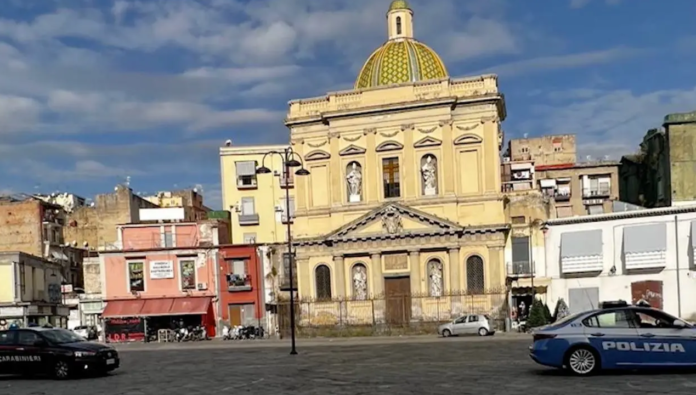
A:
{"x":473,"y":324}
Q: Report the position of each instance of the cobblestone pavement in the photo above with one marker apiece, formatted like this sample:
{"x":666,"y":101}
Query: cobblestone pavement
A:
{"x":402,"y":366}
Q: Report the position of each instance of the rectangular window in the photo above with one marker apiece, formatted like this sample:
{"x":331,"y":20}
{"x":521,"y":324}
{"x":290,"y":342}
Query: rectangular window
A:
{"x":187,"y":269}
{"x":246,"y":174}
{"x":248,"y":206}
{"x":249,"y":238}
{"x":168,"y":239}
{"x":391,"y":178}
{"x":519,"y":220}
{"x":136,"y":277}
{"x":237,"y":267}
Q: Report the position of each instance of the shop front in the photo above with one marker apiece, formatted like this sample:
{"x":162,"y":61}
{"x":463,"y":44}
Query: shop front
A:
{"x":140,"y":319}
{"x":34,"y":315}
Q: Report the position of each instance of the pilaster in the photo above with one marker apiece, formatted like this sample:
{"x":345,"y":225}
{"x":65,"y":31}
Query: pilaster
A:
{"x":454,"y":269}
{"x":447,"y":170}
{"x":340,"y":270}
{"x":415,"y":266}
{"x":372,"y":171}
{"x":376,"y":270}
{"x":495,"y":269}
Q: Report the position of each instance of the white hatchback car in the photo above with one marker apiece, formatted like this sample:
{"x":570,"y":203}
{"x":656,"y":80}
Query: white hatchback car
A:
{"x":472,"y":324}
{"x":82,"y":331}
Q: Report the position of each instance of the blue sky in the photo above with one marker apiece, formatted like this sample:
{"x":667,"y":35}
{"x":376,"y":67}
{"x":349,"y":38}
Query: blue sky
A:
{"x":92,"y":91}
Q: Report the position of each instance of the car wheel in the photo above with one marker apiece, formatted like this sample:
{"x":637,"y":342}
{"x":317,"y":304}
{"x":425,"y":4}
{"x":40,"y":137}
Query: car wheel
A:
{"x":446,"y":333}
{"x":483,"y":332}
{"x":62,"y":370}
{"x":582,"y":361}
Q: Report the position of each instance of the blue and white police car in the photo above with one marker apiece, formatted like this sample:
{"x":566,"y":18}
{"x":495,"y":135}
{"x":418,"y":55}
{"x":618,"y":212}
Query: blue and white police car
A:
{"x":615,"y":336}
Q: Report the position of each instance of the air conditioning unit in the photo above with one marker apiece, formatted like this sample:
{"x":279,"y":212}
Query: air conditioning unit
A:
{"x":202,"y":286}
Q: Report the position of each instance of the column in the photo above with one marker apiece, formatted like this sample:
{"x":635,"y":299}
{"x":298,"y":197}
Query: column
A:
{"x":411,"y":189}
{"x":455,"y":270}
{"x":336,"y":175}
{"x":340,"y":273}
{"x":371,"y":182}
{"x":376,"y":270}
{"x":455,"y":266}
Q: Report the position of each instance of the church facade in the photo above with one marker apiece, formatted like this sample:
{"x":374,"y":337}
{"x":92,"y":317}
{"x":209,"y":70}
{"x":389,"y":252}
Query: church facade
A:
{"x":403,"y":202}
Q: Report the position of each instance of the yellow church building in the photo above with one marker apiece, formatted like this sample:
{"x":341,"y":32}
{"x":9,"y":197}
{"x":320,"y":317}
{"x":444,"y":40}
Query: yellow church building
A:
{"x":403,"y":202}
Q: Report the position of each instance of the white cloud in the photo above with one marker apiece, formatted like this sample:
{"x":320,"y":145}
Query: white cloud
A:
{"x":583,"y":3}
{"x":609,"y":123}
{"x":18,"y":113}
{"x":569,"y":61}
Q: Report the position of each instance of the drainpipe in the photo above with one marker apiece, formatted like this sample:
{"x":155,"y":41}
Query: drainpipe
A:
{"x":216,"y":274}
{"x":676,"y":245}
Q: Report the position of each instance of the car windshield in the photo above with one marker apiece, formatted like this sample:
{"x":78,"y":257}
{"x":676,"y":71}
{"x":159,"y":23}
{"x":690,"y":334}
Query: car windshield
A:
{"x":61,"y":336}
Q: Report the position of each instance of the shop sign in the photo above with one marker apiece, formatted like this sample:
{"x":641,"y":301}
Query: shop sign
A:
{"x":161,"y":270}
{"x":11,"y":311}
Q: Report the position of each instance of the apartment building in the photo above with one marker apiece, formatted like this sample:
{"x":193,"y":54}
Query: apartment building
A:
{"x":257,"y":202}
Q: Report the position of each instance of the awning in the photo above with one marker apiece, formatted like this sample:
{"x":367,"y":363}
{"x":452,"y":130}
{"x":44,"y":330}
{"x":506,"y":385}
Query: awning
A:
{"x":583,"y":243}
{"x":547,"y":183}
{"x":123,"y":308}
{"x":155,"y":307}
{"x":190,"y":306}
{"x":645,"y":238}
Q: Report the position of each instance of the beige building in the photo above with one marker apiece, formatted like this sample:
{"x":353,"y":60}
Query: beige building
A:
{"x":549,"y":164}
{"x":257,"y":202}
{"x":190,"y":200}
{"x":404,"y":196}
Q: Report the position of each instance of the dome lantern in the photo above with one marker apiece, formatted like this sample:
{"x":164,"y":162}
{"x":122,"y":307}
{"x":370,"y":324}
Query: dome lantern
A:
{"x":402,"y":58}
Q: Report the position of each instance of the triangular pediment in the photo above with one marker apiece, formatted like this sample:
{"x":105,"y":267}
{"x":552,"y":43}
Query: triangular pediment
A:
{"x":394,"y":220}
{"x":427,"y":142}
{"x":352,"y":150}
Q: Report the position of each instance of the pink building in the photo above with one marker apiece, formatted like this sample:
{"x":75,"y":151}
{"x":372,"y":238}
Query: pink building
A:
{"x":165,"y":275}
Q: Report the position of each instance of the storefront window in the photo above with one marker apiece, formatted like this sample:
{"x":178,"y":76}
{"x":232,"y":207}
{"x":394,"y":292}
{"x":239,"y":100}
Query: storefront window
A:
{"x":136,"y":277}
{"x":188,"y":274}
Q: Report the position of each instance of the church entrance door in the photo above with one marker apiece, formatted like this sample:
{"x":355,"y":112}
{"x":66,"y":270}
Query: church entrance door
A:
{"x":397,"y":292}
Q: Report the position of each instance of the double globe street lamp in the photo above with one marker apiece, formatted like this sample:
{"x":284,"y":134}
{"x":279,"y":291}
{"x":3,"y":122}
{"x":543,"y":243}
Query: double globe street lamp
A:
{"x":288,"y":161}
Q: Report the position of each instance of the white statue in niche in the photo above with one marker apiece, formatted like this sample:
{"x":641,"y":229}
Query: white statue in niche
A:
{"x":429,"y":171}
{"x":435,"y":279}
{"x":354,"y":179}
{"x":359,"y":282}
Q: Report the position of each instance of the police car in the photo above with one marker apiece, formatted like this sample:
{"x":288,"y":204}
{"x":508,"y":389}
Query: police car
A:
{"x":616,"y":336}
{"x":53,"y":351}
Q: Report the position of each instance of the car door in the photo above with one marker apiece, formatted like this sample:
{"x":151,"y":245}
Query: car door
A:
{"x":472,"y":324}
{"x":29,"y":352}
{"x":611,"y":333}
{"x":7,"y":339}
{"x":459,"y":325}
{"x":664,"y":339}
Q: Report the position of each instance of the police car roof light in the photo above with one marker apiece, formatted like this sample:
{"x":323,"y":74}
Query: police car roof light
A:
{"x":613,"y":304}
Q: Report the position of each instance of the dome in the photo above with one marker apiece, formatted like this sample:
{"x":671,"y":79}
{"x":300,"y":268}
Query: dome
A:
{"x":397,"y":62}
{"x":402,"y":58}
{"x":399,"y":5}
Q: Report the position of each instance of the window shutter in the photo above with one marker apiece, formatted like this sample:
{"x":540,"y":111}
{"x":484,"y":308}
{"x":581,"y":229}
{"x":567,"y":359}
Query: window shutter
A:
{"x":246,"y":168}
{"x":248,"y":206}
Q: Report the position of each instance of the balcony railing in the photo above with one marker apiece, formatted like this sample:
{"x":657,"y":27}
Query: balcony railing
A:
{"x":596,"y":192}
{"x":238,"y":282}
{"x":561,"y":197}
{"x":248,"y":219}
{"x":519,"y":269}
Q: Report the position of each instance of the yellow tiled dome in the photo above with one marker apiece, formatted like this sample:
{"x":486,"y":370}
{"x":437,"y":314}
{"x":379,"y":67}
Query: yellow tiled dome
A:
{"x":399,"y":5}
{"x":400,"y":61}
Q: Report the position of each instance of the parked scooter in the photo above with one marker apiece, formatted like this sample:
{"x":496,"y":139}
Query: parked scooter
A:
{"x":199,"y":333}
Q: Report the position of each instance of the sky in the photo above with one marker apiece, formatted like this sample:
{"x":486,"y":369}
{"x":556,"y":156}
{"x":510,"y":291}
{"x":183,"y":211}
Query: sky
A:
{"x":95,"y":91}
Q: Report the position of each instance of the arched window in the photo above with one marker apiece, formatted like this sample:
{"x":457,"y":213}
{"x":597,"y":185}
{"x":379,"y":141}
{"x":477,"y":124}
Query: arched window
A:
{"x":359,"y":278}
{"x":322,"y":276}
{"x":398,"y":25}
{"x":474,"y":275}
{"x":429,"y":175}
{"x":435,"y":280}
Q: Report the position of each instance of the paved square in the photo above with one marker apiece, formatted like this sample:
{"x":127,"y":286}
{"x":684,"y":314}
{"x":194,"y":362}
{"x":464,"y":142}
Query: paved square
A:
{"x":399,"y":366}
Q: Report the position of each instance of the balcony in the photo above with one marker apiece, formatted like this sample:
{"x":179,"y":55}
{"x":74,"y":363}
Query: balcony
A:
{"x":519,"y":269}
{"x":238,"y":282}
{"x":248,"y":219}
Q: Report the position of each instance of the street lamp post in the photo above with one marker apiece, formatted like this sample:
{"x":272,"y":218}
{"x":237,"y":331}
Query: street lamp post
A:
{"x":288,"y":160}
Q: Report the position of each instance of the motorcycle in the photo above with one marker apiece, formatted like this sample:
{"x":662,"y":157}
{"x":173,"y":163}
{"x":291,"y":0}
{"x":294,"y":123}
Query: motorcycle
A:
{"x":199,"y":333}
{"x":182,"y":335}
